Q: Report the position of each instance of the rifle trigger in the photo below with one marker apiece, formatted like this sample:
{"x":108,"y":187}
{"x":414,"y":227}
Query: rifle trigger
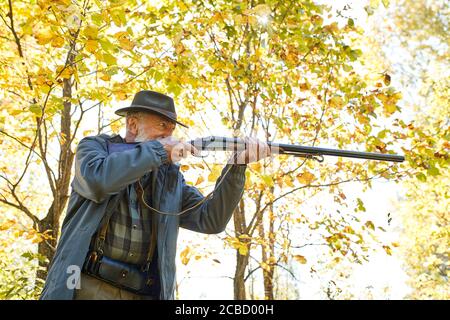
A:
{"x":318,"y":158}
{"x":203,"y":154}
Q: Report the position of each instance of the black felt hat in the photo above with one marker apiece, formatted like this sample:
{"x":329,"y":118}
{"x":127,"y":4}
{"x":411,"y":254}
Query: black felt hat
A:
{"x":154,"y":102}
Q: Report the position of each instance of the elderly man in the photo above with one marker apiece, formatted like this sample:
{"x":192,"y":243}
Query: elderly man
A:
{"x":119,"y":237}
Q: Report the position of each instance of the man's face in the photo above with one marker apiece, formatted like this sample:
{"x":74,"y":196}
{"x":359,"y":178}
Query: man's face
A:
{"x":150,"y":127}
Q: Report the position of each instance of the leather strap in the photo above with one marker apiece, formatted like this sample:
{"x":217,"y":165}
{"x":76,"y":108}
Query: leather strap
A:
{"x":101,"y":234}
{"x":153,"y":237}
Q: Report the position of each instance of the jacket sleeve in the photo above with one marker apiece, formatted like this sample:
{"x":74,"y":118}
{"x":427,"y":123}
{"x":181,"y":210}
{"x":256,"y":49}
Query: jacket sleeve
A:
{"x":98,"y":175}
{"x":213,"y":215}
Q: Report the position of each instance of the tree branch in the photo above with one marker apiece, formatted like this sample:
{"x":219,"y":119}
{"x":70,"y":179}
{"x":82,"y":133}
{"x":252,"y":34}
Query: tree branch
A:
{"x":20,"y":206}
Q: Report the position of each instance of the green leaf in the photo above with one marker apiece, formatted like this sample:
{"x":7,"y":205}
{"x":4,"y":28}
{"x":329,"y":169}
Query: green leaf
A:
{"x":267,"y":180}
{"x":109,"y":59}
{"x":278,"y":122}
{"x":347,"y":68}
{"x":369,"y":224}
{"x":106,"y":45}
{"x":28,"y":255}
{"x":369,"y":10}
{"x":354,"y":54}
{"x":36,"y":109}
{"x":421,"y":177}
{"x":157,"y":76}
{"x":97,"y":18}
{"x":288,"y":90}
{"x":382,"y":134}
{"x":360,"y":205}
{"x":129,"y":71}
{"x":433,"y":171}
{"x":350,"y":22}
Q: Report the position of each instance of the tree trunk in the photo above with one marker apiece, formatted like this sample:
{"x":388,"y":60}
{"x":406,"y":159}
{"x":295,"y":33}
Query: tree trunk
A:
{"x":51,"y":222}
{"x":268,"y":254}
{"x":46,"y":248}
{"x":241,"y":260}
{"x":239,"y":276}
{"x":268,"y":270}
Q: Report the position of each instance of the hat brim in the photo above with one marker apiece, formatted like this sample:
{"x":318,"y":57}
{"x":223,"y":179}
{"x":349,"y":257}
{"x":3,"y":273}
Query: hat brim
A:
{"x":166,"y":114}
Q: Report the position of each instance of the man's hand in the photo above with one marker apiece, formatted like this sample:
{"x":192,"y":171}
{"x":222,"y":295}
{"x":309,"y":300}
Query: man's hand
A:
{"x":176,"y":149}
{"x":255,"y":150}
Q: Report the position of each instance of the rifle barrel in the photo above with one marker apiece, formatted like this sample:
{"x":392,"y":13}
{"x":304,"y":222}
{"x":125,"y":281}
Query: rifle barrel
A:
{"x":339,"y":153}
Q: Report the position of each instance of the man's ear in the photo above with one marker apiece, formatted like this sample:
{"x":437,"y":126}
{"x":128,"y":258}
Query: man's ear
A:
{"x":132,"y":125}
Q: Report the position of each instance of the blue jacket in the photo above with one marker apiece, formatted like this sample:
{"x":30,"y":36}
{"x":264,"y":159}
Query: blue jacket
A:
{"x":99,"y":180}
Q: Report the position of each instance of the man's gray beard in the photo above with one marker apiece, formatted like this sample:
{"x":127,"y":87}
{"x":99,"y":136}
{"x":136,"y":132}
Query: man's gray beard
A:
{"x":141,"y":137}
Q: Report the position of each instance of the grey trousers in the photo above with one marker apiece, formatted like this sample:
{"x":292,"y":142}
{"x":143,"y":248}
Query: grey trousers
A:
{"x":94,"y":289}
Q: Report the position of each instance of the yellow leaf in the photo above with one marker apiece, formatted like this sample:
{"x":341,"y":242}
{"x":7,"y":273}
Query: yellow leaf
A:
{"x":289,"y":181}
{"x":98,"y":55}
{"x":199,"y":165}
{"x":390,"y":108}
{"x":109,"y":59}
{"x":267,"y":180}
{"x":300,"y":259}
{"x":256,"y":166}
{"x":58,"y":42}
{"x":252,"y":20}
{"x":44,"y":36}
{"x":91,"y":32}
{"x":306,"y":177}
{"x":217,"y":17}
{"x":91,"y":46}
{"x":336,"y":102}
{"x":120,"y":34}
{"x":215,"y":173}
{"x":265,"y":266}
{"x":37,"y":239}
{"x":121,"y":94}
{"x":238,"y":19}
{"x":262,"y":10}
{"x":116,"y":126}
{"x":332,"y":28}
{"x":184,"y":167}
{"x":185,"y":255}
{"x":105,"y":76}
{"x":124,"y":40}
{"x":243,"y":249}
{"x":349,"y":229}
{"x":67,"y":73}
{"x":199,"y":180}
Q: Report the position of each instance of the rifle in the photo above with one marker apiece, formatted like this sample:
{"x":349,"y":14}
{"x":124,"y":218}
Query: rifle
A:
{"x":215,"y":143}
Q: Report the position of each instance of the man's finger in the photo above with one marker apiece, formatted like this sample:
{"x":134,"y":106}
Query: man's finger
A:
{"x":193,"y":150}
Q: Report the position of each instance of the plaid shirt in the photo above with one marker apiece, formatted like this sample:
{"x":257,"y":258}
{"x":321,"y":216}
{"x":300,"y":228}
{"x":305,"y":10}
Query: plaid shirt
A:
{"x":129,"y":229}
